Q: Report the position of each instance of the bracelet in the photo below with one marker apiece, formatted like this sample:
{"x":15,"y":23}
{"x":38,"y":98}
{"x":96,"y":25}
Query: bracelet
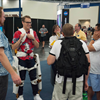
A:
{"x":33,"y":39}
{"x":93,"y":39}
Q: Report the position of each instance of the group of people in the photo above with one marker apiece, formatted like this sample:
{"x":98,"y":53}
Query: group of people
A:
{"x":92,"y":78}
{"x":25,"y":39}
{"x":88,"y":31}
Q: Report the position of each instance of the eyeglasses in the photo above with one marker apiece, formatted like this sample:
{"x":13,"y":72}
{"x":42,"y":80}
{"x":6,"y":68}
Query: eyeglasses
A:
{"x":28,"y":22}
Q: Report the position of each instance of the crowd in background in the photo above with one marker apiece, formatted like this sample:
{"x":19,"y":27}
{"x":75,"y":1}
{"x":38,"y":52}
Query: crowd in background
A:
{"x":88,"y":31}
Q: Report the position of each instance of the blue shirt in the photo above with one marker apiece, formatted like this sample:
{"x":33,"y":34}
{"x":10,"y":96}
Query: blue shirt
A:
{"x":7,"y":50}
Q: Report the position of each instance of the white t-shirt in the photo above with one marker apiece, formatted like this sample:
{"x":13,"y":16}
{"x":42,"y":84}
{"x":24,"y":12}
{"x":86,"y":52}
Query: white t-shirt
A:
{"x":52,"y":38}
{"x":95,"y":58}
{"x":56,"y":52}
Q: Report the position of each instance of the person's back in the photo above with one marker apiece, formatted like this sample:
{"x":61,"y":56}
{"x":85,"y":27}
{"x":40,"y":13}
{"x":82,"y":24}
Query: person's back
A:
{"x":58,"y":88}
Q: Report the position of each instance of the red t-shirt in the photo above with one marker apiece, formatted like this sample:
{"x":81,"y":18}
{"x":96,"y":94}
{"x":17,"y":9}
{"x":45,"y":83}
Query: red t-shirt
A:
{"x":27,"y":46}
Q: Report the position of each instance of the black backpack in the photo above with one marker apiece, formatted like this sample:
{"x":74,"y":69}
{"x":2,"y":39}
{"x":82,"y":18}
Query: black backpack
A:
{"x":72,"y":62}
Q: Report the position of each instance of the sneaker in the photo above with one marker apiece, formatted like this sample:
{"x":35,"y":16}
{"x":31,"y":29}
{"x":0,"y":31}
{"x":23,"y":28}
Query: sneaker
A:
{"x":37,"y":97}
{"x":20,"y":98}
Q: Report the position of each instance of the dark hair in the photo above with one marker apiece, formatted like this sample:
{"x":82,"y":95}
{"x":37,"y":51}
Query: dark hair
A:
{"x":79,"y":25}
{"x":98,"y":26}
{"x":67,"y":30}
{"x":1,"y":8}
{"x":23,"y":18}
{"x":54,"y":27}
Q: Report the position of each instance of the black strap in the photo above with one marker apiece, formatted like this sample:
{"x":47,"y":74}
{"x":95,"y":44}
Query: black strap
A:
{"x":83,"y":83}
{"x":64,"y":84}
{"x":74,"y":82}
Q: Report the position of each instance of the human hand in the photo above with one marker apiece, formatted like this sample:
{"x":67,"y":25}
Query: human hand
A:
{"x":21,"y":36}
{"x":30,"y":36}
{"x":86,"y":86}
{"x":44,"y":32}
{"x":16,"y":79}
{"x":41,"y":32}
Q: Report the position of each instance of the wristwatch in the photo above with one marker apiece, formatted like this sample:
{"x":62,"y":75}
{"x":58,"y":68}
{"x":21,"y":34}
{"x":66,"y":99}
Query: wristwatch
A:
{"x":33,"y":39}
{"x":93,"y":39}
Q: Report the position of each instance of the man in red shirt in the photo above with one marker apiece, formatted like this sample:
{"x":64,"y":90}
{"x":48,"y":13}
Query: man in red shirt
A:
{"x":24,"y":40}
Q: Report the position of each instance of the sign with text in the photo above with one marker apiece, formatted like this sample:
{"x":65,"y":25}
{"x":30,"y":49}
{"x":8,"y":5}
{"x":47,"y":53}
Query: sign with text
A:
{"x":85,"y":5}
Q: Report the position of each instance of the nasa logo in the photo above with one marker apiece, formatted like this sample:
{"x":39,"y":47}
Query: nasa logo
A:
{"x":77,"y":35}
{"x":65,"y":13}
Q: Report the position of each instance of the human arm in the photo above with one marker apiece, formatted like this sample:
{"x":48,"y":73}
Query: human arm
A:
{"x":40,"y":32}
{"x":3,"y":58}
{"x":51,"y":59}
{"x":45,"y":32}
{"x":88,"y":58}
{"x":34,"y":39}
{"x":54,"y":52}
{"x":86,"y":76}
{"x":91,"y":44}
{"x":18,"y":41}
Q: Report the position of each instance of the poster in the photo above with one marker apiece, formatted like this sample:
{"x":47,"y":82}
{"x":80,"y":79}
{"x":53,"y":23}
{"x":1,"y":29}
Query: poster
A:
{"x":65,"y":16}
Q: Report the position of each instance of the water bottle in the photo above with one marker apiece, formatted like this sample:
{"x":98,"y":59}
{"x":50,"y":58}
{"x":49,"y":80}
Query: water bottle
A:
{"x":85,"y":96}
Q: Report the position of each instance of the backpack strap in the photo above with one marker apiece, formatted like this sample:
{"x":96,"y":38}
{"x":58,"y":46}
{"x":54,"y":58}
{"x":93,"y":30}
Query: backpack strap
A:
{"x":71,"y":43}
{"x":64,"y":84}
{"x":73,"y":64}
{"x":74,"y":82}
{"x":83,"y":83}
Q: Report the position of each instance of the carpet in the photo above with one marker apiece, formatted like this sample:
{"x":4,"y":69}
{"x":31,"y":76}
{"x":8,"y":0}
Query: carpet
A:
{"x":47,"y":88}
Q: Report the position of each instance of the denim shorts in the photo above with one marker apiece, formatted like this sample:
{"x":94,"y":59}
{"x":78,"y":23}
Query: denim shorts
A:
{"x":94,"y":82}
